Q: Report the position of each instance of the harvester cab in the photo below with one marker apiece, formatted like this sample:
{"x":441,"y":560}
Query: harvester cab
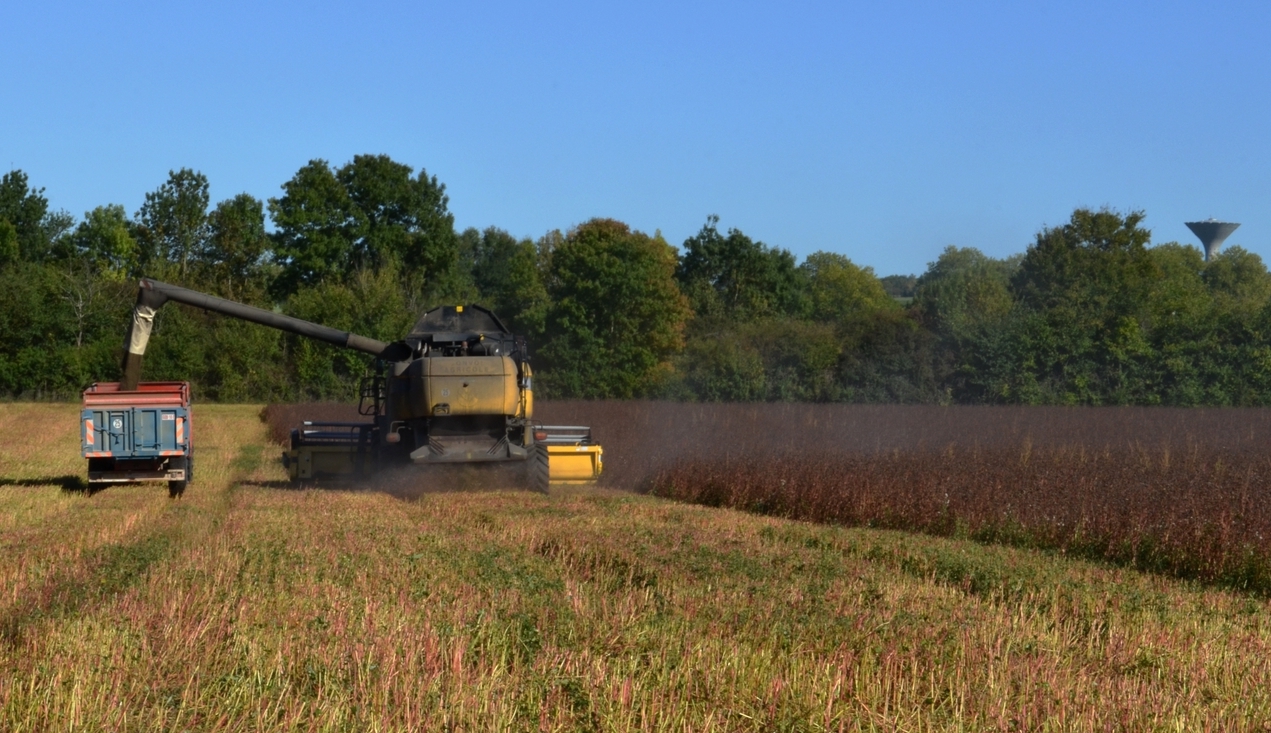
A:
{"x":457,"y":389}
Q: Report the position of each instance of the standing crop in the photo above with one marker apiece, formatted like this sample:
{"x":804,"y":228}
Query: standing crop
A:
{"x":1184,"y":492}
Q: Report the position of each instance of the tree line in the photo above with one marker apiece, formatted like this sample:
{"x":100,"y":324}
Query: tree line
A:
{"x":1090,"y":313}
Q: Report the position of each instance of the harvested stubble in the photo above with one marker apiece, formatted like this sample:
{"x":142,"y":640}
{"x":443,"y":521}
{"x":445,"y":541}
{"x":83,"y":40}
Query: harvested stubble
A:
{"x":1186,"y":492}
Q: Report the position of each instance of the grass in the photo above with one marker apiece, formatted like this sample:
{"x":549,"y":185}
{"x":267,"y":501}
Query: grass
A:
{"x":248,"y":605}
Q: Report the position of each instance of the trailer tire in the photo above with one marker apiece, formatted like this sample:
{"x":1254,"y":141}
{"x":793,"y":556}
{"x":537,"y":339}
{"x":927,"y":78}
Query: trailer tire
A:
{"x":540,"y":469}
{"x":177,"y":488}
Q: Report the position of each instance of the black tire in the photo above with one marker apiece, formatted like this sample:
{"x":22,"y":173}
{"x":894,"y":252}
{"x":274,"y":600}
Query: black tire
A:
{"x":177,"y":488}
{"x":540,"y":471}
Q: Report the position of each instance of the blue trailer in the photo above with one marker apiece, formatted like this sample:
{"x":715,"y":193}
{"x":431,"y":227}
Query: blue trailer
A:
{"x":138,"y":435}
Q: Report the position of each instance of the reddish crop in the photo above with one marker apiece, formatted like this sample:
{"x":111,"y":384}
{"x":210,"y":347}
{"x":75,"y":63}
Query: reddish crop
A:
{"x":1199,"y":513}
{"x":1182,"y":492}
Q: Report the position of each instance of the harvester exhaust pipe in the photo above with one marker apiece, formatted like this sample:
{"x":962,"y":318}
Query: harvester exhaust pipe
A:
{"x":152,"y":294}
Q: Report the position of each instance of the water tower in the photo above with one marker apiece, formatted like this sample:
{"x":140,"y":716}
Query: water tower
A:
{"x":1211,"y":233}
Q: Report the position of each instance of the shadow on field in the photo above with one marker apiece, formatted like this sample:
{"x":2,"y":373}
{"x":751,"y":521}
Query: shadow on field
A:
{"x":74,"y":484}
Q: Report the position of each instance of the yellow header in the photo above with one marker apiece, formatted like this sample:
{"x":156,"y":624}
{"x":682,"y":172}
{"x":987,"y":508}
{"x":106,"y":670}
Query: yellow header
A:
{"x":458,"y":309}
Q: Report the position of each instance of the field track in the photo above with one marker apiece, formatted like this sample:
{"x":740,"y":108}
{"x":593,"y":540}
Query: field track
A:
{"x":249,"y":605}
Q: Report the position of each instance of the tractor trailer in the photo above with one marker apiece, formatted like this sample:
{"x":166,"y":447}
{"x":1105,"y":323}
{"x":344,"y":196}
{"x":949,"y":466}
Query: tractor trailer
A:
{"x":140,"y":434}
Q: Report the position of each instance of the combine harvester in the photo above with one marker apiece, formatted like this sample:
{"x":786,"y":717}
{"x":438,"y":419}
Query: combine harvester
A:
{"x":456,"y":390}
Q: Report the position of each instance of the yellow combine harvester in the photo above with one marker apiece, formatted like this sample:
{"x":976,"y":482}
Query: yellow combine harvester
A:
{"x":457,"y":389}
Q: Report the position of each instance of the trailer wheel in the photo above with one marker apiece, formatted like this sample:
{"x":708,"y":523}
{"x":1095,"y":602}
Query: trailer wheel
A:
{"x":540,"y":469}
{"x":177,"y":488}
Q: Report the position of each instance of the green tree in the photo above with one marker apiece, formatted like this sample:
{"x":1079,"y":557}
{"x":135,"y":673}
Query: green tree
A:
{"x":839,"y":290}
{"x":962,"y":299}
{"x":616,"y":316}
{"x":172,"y":223}
{"x":94,"y":263}
{"x":369,"y":214}
{"x":725,"y":368}
{"x":900,"y":287}
{"x":370,"y":303}
{"x":1098,"y":261}
{"x":888,"y":357}
{"x":1089,"y":279}
{"x":236,"y":246}
{"x":401,"y":216}
{"x":736,"y":277}
{"x":45,"y":351}
{"x":799,"y":358}
{"x":963,"y":287}
{"x":507,"y":275}
{"x":1181,"y":321}
{"x":10,"y":250}
{"x":56,"y":224}
{"x":1238,"y":280}
{"x":315,"y":229}
{"x":26,"y":211}
{"x":1180,"y":286}
{"x":103,"y":243}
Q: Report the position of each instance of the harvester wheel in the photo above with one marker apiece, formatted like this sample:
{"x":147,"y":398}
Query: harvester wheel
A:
{"x":540,"y":470}
{"x":177,"y":488}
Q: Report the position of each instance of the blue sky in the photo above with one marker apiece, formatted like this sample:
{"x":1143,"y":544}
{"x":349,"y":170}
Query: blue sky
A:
{"x":884,"y":131}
